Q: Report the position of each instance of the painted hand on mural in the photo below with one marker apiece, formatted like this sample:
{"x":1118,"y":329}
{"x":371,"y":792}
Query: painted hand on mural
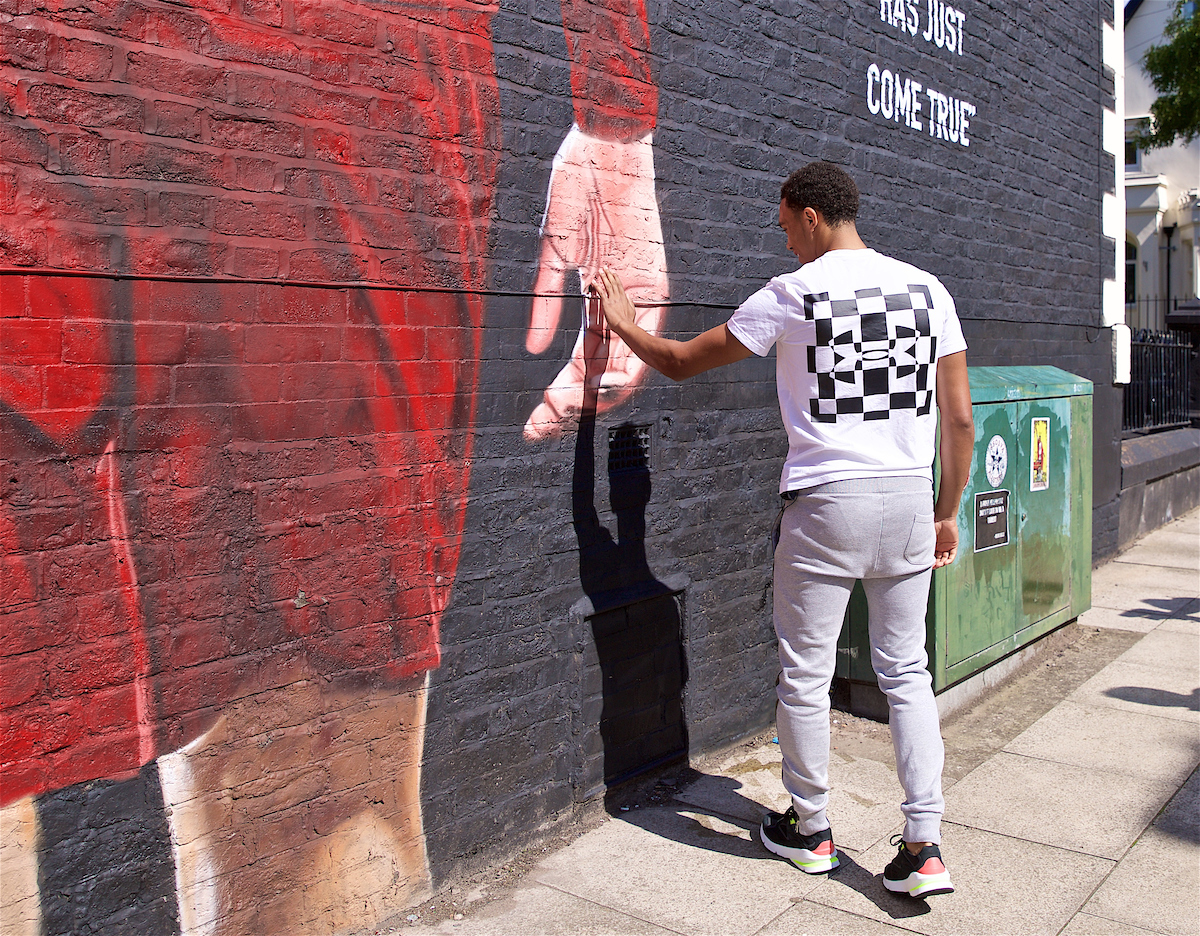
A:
{"x":600,"y":211}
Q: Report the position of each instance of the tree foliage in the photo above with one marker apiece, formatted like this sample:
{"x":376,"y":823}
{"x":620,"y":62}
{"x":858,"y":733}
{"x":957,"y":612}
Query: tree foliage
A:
{"x":1174,"y":69}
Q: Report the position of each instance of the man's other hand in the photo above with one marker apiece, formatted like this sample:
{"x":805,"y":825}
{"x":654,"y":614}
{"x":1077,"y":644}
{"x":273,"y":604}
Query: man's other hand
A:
{"x":945,"y":546}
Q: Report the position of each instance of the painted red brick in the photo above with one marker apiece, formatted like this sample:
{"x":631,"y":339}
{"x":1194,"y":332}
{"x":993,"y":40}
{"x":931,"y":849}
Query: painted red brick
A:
{"x":84,"y":154}
{"x":267,"y":12}
{"x":25,"y":342}
{"x":293,"y":343}
{"x":330,"y":265}
{"x":22,"y":387}
{"x":23,"y":144}
{"x":76,"y":386}
{"x":250,"y":89}
{"x":215,"y":383}
{"x":24,"y":47}
{"x":327,"y":21}
{"x":80,"y":249}
{"x":254,"y":174}
{"x":234,"y":132}
{"x":91,"y":202}
{"x":328,"y":65}
{"x":255,"y":262}
{"x":223,"y":342}
{"x":234,"y":43}
{"x":21,"y":246}
{"x":80,"y":59}
{"x":176,"y":29}
{"x":173,"y":255}
{"x":259,"y":218}
{"x":75,"y":107}
{"x":186,"y":209}
{"x":186,"y":79}
{"x":266,"y":422}
{"x":18,"y":683}
{"x":165,"y":163}
{"x":160,"y":343}
{"x":343,"y":188}
{"x":87,"y":341}
{"x":172,"y":119}
{"x":329,"y":106}
{"x":331,"y":147}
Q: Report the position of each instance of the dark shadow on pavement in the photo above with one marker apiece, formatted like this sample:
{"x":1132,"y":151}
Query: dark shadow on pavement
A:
{"x":1144,"y":695}
{"x":1156,"y":609}
{"x":680,"y":822}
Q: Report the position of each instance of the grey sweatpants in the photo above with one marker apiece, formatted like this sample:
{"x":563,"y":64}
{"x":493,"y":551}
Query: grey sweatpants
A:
{"x":880,"y":531}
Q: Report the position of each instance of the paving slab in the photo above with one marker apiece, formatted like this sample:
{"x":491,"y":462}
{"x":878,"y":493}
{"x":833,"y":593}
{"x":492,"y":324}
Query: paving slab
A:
{"x":1142,"y":621}
{"x":1128,"y":586}
{"x":1079,"y":808}
{"x":1156,"y":885}
{"x":545,"y":911}
{"x":1130,"y":743}
{"x":809,"y":919}
{"x":1186,"y":619}
{"x":1085,"y":924}
{"x":1134,"y":687}
{"x":991,"y":875}
{"x":684,"y":871}
{"x":1166,"y":650}
{"x":864,"y":797}
{"x":1169,"y":546}
{"x":742,"y":787}
{"x":1181,"y":818}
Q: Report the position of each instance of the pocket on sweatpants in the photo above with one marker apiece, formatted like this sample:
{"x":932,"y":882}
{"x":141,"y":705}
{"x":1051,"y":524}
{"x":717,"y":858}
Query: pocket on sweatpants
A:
{"x":919,"y":550}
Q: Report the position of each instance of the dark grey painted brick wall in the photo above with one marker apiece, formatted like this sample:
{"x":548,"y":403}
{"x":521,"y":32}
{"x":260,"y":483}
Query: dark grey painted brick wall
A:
{"x":749,"y":91}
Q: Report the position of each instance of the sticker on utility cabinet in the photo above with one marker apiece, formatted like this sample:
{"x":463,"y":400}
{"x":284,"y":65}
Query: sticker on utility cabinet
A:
{"x":991,"y":520}
{"x":1039,"y":454}
{"x":995,"y":461}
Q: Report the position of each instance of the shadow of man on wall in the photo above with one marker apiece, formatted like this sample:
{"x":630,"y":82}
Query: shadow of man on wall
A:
{"x":636,"y":620}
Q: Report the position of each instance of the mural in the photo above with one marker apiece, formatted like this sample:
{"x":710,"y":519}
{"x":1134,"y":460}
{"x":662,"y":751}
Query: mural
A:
{"x":232,"y":510}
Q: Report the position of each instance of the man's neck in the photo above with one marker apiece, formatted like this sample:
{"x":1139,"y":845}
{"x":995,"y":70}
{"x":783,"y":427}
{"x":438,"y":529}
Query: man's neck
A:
{"x":842,"y":237}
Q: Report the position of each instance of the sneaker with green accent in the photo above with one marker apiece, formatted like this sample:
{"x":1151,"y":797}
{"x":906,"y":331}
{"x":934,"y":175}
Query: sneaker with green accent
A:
{"x":812,"y":854}
{"x":920,"y":875}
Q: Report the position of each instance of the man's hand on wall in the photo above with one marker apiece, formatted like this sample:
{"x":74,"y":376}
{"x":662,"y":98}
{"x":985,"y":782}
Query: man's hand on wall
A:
{"x":601,"y":210}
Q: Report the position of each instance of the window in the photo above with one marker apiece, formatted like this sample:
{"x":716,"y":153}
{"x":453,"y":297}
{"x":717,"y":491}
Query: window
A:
{"x":1131,"y":256}
{"x":1133,"y":153}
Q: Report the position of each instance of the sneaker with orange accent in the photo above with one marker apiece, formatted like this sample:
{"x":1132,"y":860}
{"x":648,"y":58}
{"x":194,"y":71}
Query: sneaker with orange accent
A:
{"x":812,"y":854}
{"x":920,"y":875}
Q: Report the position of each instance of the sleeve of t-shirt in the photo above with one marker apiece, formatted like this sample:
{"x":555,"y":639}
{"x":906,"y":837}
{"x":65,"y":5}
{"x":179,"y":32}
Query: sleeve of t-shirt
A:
{"x":951,"y":340}
{"x":758,"y":322}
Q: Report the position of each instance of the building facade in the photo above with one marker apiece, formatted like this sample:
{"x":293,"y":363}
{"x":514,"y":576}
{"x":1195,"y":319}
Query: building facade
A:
{"x":338,"y":559}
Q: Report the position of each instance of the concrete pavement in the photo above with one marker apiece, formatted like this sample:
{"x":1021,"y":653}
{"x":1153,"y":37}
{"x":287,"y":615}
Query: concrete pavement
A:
{"x":1073,"y":805}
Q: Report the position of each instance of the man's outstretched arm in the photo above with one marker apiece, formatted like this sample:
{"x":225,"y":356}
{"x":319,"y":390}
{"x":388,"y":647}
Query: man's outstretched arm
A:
{"x":955,"y":447}
{"x":676,"y":359}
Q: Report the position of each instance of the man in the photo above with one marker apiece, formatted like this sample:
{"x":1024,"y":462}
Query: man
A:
{"x":866,"y":347}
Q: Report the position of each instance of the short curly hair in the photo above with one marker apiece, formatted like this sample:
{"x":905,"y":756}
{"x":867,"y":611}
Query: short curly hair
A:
{"x":825,"y":187}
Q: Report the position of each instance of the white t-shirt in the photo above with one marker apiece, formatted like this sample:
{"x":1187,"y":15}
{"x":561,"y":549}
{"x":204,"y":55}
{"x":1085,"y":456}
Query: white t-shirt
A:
{"x":857,"y":338}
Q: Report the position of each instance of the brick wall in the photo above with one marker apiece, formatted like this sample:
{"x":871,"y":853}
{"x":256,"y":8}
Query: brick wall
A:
{"x":325,"y":491}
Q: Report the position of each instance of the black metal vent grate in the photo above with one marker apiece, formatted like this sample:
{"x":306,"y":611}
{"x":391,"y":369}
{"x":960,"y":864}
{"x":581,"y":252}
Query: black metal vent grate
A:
{"x":628,"y":449}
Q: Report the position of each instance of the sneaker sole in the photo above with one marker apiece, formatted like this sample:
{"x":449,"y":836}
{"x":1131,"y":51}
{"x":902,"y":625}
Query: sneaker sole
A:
{"x":921,"y":885}
{"x":807,"y":861}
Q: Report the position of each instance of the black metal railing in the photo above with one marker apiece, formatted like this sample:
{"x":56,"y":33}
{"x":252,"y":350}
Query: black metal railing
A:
{"x":1159,"y":388}
{"x":1150,"y":312}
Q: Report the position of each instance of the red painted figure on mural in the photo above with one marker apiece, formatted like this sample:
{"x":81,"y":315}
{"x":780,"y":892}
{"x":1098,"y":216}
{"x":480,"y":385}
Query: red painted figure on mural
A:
{"x":215,"y":491}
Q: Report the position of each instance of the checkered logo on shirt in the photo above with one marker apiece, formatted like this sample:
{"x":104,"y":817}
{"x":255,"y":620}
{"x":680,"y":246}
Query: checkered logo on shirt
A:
{"x":873,"y":354}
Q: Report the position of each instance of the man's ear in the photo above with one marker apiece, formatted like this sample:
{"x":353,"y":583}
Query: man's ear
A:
{"x":811,"y":218}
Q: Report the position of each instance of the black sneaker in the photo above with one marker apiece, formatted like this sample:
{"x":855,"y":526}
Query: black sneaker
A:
{"x":921,"y":875}
{"x":812,"y":854}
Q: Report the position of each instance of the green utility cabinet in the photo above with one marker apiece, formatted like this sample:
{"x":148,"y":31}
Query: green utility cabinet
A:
{"x":1024,"y":563}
